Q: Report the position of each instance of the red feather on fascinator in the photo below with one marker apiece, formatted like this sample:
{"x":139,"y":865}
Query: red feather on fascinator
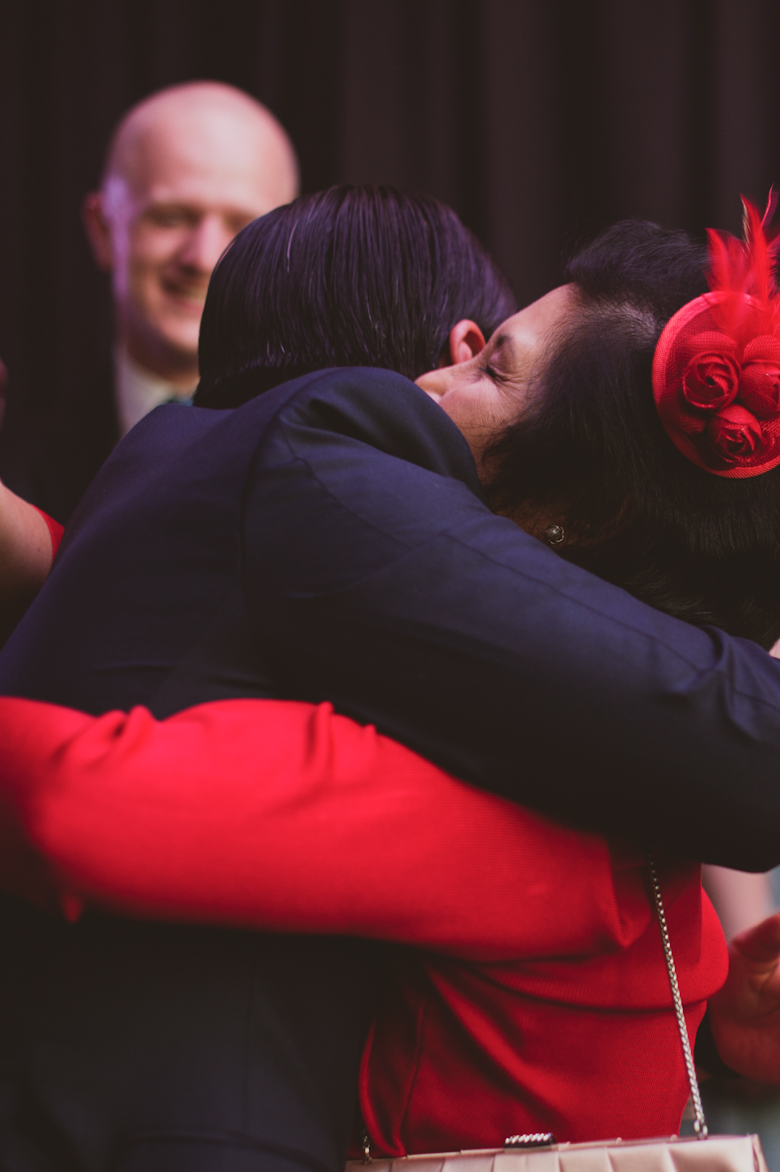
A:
{"x":716,"y":370}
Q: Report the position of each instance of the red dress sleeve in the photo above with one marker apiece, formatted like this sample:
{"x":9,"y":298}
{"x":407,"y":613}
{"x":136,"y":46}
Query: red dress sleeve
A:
{"x":287,"y":816}
{"x":55,"y":530}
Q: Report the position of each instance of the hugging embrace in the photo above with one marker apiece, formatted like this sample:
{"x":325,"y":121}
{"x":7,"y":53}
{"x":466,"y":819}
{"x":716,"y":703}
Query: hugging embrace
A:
{"x":333,"y":746}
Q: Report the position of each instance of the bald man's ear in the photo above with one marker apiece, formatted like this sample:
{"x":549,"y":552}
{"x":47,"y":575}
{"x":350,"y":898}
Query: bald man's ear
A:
{"x":97,"y":229}
{"x":464,"y":343}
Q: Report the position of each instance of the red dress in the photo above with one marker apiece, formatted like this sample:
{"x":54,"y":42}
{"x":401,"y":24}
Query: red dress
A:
{"x":541,"y":1000}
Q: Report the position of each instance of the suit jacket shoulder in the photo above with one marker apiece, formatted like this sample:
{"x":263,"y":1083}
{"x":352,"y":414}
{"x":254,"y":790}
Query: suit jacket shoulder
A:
{"x":378,"y":579}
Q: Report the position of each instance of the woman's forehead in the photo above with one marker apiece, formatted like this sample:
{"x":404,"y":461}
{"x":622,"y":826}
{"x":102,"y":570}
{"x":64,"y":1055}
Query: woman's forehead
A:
{"x":532,"y":326}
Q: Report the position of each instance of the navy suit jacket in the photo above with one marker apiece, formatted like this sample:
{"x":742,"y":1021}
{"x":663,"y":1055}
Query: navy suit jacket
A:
{"x":329,"y":541}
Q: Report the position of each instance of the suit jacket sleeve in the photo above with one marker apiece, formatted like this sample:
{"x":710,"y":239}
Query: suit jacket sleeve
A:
{"x":377,"y":578}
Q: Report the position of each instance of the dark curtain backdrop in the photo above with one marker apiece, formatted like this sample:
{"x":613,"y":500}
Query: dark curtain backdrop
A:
{"x":538,"y":120}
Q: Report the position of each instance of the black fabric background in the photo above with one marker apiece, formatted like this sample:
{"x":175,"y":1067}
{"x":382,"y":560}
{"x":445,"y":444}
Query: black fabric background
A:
{"x":538,"y":120}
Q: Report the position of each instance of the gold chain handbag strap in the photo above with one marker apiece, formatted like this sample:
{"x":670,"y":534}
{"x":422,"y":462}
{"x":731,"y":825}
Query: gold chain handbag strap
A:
{"x":699,"y":1122}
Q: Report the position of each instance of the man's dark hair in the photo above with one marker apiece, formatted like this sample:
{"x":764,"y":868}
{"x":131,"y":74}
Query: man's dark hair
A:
{"x":352,"y":276}
{"x":592,"y":454}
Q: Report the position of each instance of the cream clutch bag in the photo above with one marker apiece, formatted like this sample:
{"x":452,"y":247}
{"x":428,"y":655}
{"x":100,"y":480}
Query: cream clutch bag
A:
{"x":720,"y":1153}
{"x":540,"y":1153}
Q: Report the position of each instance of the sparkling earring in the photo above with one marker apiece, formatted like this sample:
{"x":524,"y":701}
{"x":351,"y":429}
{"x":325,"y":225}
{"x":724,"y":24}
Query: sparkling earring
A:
{"x":554,"y":535}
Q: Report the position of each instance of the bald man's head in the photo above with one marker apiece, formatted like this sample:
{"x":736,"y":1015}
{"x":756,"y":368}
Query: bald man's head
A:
{"x":186,"y":169}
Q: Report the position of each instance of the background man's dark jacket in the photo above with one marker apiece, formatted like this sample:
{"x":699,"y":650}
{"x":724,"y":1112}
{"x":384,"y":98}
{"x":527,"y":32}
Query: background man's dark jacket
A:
{"x":50,"y":454}
{"x":328,"y":540}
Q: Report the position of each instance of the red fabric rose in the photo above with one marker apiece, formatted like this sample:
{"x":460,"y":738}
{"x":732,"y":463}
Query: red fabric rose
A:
{"x":711,"y":379}
{"x":759,"y":388}
{"x":735,"y":435}
{"x":718,"y":358}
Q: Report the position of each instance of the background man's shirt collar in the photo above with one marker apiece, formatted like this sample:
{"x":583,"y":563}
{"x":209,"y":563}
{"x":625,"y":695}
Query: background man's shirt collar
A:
{"x":139,"y":391}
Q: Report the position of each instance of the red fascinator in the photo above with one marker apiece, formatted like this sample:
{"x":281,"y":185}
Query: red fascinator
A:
{"x":716,"y":370}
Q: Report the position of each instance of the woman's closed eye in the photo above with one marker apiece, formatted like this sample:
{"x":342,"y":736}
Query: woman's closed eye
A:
{"x":492,"y":372}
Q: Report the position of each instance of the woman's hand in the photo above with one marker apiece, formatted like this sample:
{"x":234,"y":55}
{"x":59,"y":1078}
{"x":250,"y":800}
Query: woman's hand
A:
{"x":745,"y":1014}
{"x":741,"y":898}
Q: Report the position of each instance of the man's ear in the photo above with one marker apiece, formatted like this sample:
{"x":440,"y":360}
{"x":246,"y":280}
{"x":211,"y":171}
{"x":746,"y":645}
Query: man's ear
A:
{"x":98,"y":232}
{"x":464,"y":343}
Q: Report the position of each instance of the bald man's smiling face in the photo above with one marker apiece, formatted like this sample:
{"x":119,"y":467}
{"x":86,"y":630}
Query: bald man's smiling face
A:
{"x":187,"y":181}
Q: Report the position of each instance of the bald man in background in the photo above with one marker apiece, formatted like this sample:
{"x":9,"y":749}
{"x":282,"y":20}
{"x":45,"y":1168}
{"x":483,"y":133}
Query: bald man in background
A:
{"x":185,"y":170}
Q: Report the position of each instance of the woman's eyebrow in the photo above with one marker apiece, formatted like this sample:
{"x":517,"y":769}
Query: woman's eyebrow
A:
{"x":502,"y":342}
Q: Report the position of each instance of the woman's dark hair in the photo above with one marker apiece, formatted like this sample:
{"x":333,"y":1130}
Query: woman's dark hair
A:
{"x":592,"y":454}
{"x":352,"y":276}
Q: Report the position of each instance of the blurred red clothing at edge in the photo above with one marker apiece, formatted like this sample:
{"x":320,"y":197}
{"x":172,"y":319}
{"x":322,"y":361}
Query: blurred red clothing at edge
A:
{"x":55,"y":530}
{"x":537,"y":996}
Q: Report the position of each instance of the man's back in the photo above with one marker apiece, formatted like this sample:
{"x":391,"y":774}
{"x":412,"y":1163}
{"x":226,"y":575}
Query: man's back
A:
{"x":149,"y":565}
{"x":130,"y":1045}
